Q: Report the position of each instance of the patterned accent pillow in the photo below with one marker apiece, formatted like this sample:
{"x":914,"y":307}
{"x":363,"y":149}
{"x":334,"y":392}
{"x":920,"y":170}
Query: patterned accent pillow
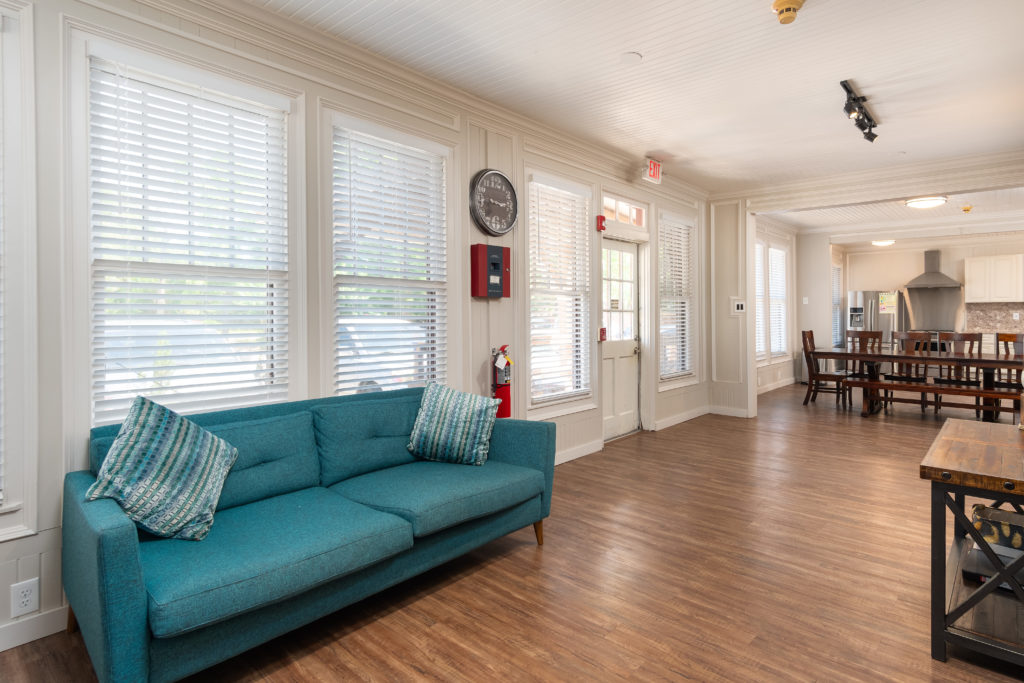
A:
{"x":165,"y":471}
{"x":453,"y":426}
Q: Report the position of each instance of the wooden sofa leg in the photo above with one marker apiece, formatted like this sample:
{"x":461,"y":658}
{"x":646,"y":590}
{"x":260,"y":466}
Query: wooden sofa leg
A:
{"x":72,"y":622}
{"x":538,"y":530}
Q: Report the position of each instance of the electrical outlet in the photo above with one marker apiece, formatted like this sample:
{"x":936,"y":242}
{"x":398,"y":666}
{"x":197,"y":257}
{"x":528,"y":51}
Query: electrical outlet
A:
{"x":24,"y":597}
{"x":1016,"y":315}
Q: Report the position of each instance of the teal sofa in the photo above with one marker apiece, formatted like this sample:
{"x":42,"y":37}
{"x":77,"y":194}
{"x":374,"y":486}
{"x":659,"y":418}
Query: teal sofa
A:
{"x":324,"y":507}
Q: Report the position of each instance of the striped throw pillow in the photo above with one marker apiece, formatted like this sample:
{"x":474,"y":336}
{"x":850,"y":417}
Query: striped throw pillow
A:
{"x":453,"y":426}
{"x":165,"y":471}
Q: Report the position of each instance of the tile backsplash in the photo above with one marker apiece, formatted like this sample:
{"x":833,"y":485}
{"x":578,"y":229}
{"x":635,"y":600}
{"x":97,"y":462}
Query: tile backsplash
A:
{"x":994,"y":317}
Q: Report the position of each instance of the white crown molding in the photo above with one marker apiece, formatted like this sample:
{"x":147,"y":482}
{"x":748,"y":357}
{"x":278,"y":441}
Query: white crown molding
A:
{"x":916,"y":244}
{"x":951,"y":231}
{"x":1001,"y":221}
{"x":776,"y":227}
{"x":253,"y":25}
{"x":949,"y":176}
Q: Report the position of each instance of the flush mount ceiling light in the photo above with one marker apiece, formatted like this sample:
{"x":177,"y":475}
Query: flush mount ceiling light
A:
{"x":925,"y":202}
{"x":787,"y":9}
{"x":854,"y":108}
{"x":883,"y":243}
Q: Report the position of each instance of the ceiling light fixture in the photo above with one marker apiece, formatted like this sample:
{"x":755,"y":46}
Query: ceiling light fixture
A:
{"x":787,"y":9}
{"x":883,"y":243}
{"x":925,"y":202}
{"x":855,"y":109}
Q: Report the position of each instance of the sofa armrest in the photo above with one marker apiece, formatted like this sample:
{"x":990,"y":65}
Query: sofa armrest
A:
{"x":102,"y":574}
{"x":528,"y":444}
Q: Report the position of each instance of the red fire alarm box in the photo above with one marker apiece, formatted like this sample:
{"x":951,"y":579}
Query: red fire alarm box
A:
{"x":491,"y":270}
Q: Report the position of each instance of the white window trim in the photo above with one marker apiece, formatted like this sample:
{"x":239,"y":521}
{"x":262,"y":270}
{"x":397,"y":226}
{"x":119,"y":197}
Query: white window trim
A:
{"x":18,"y":511}
{"x":570,"y":404}
{"x":76,"y":352}
{"x":331,"y":116}
{"x":694,"y":376}
{"x":777,"y":357}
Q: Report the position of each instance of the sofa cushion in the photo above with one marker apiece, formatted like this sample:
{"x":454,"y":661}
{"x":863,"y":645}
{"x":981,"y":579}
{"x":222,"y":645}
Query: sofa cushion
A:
{"x":434,"y":495}
{"x":165,"y":471}
{"x":362,"y":437}
{"x":261,"y":553}
{"x":453,"y":426}
{"x":275,"y":455}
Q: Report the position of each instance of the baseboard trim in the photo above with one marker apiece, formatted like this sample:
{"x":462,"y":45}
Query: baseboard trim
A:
{"x":679,"y":418}
{"x":578,"y":451}
{"x":729,"y":411}
{"x":29,"y":628}
{"x":776,"y":385}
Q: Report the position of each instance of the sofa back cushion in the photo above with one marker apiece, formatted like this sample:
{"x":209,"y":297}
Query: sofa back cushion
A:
{"x":275,"y":455}
{"x":360,"y":437}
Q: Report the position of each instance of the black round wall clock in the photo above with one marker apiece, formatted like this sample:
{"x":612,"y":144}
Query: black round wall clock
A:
{"x":492,"y":202}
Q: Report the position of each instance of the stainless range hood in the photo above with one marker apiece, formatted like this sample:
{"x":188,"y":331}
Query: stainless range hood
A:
{"x":932,"y":276}
{"x":934,"y":300}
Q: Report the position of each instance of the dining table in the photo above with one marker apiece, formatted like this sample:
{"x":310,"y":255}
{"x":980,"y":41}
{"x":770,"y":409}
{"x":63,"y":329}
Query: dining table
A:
{"x":987,"y":390}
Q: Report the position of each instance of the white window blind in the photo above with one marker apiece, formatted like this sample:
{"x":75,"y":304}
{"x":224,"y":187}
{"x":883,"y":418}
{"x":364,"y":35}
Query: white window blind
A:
{"x":760,"y":327}
{"x":188,"y":244}
{"x":675,"y":294}
{"x":559,"y":270}
{"x":390,"y":264}
{"x":837,"y":306}
{"x":777,"y":299}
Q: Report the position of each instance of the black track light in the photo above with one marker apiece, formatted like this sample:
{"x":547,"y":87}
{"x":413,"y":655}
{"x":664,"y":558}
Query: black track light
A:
{"x":854,"y":108}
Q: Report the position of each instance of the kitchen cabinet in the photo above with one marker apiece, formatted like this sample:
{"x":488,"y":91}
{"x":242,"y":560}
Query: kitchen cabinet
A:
{"x":990,"y":279}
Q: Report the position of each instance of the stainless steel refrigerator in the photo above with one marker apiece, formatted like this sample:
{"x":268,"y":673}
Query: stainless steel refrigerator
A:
{"x":876,"y":310}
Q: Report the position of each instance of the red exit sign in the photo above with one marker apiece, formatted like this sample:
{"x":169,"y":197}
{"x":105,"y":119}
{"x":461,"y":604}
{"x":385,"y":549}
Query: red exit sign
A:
{"x":652,"y":171}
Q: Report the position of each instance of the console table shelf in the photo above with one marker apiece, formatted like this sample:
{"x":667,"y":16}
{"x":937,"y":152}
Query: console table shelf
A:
{"x":986,"y":461}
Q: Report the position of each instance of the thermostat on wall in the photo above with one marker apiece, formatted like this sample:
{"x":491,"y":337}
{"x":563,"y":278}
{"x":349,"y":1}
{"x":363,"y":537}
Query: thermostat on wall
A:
{"x":737,"y":306}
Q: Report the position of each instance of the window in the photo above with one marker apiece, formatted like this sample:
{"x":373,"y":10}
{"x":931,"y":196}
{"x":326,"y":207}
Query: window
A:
{"x":620,"y":210}
{"x":189,"y":245}
{"x":675,"y":296}
{"x":837,"y":305}
{"x":770,"y":292}
{"x":390,"y":263}
{"x":559,"y":279}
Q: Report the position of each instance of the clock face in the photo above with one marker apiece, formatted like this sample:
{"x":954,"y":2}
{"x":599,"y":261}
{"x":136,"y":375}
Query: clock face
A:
{"x":492,"y":202}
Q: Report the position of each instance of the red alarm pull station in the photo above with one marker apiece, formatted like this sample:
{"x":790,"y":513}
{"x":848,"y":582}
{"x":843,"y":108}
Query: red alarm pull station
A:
{"x":600,"y":223}
{"x":602,"y":334}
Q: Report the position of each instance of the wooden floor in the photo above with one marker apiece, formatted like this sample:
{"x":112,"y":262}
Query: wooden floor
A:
{"x":792,"y":547}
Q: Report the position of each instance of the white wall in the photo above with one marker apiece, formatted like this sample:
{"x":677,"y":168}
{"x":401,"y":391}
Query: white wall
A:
{"x":317,"y":73}
{"x":814,"y":277}
{"x":889,"y":268}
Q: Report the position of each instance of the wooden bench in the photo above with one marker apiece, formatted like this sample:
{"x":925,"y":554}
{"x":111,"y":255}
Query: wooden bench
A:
{"x":873,"y":388}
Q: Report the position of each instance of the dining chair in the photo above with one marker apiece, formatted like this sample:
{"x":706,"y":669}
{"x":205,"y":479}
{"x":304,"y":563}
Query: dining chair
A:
{"x":959,"y":343}
{"x":862,"y":341}
{"x":920,"y":342}
{"x":1010,"y":343}
{"x":817,"y":379}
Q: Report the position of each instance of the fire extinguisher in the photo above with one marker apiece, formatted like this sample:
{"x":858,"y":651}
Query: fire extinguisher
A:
{"x":501,"y":379}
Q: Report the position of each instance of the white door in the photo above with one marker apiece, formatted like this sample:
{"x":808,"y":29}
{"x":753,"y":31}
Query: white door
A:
{"x":620,"y":352}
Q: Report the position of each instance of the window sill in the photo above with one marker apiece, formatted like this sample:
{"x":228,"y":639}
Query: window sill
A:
{"x":8,"y":508}
{"x":678,"y":382}
{"x":561,"y":408}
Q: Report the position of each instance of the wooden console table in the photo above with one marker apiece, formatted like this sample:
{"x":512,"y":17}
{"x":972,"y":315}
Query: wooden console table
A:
{"x":986,"y":461}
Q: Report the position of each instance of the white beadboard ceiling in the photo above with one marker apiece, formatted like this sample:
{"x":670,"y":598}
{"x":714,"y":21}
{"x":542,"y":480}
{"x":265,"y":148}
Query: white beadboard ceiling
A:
{"x":725,"y":96}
